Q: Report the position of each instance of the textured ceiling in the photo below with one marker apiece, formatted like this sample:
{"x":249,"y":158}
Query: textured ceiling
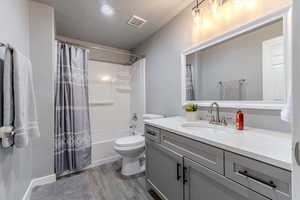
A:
{"x":83,"y":20}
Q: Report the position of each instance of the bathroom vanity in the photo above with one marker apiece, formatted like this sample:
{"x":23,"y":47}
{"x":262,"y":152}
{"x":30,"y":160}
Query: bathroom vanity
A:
{"x":210,"y":162}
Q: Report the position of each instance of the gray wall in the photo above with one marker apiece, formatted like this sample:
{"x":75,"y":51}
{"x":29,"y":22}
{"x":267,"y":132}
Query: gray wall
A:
{"x":163,"y":78}
{"x":42,"y":57}
{"x":15,"y":164}
{"x":234,"y":59}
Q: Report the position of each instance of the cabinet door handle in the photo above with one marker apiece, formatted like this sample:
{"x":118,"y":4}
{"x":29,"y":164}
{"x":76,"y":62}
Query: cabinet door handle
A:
{"x":270,"y":184}
{"x":178,"y":171}
{"x":297,"y":153}
{"x":184,"y":175}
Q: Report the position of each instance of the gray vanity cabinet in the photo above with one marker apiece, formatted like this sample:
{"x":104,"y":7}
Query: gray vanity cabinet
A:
{"x":179,"y":168}
{"x":164,"y":171}
{"x":201,"y":183}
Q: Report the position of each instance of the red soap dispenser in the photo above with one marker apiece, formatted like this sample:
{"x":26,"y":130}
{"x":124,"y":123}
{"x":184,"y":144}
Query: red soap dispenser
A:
{"x":239,"y":120}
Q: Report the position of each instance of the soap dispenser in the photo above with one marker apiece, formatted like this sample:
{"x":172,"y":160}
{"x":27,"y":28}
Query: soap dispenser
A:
{"x":239,"y":120}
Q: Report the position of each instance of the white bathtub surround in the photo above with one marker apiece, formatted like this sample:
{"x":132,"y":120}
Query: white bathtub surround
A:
{"x":138,"y":96}
{"x":109,"y":109}
{"x":263,"y":145}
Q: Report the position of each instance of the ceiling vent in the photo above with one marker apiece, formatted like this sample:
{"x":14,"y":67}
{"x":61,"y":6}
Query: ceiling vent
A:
{"x":136,"y":21}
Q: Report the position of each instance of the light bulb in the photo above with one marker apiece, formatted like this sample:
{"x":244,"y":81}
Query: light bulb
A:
{"x":197,"y":19}
{"x":215,"y":4}
{"x":238,"y":2}
{"x":196,"y":13}
{"x":251,"y":3}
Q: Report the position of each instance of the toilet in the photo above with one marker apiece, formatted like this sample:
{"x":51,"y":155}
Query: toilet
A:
{"x":132,"y":149}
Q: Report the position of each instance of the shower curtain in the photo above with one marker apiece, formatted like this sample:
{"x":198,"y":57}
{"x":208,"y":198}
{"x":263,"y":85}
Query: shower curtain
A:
{"x":190,"y":94}
{"x":72,"y":121}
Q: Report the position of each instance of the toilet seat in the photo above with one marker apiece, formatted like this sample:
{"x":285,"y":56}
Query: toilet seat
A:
{"x":130,"y":141}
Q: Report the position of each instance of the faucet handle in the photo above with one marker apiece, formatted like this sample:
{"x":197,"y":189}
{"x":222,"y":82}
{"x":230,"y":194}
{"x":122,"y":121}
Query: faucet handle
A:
{"x":223,"y":121}
{"x":212,"y":119}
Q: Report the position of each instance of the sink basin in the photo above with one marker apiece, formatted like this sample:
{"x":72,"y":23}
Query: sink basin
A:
{"x":205,"y":126}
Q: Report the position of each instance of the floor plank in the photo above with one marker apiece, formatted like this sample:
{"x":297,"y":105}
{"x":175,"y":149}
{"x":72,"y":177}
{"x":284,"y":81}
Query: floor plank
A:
{"x":100,"y":183}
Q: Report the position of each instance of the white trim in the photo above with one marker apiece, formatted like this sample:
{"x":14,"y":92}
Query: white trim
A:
{"x":38,"y":182}
{"x":284,"y":14}
{"x":104,"y":161}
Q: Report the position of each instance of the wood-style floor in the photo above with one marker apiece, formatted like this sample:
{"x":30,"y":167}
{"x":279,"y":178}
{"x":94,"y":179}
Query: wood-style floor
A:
{"x":100,"y":183}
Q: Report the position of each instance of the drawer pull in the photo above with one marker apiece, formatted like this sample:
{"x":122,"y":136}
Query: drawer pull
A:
{"x":151,"y":133}
{"x":178,"y":171}
{"x":270,"y":184}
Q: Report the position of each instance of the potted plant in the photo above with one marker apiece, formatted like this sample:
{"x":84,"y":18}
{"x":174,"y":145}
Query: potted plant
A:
{"x":191,"y":113}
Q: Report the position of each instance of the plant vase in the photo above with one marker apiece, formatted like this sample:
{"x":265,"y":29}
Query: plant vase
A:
{"x":192,"y":116}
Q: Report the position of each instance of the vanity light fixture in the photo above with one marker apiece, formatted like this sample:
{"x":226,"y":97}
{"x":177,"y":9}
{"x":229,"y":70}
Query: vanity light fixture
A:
{"x":196,"y":11}
{"x":215,"y":4}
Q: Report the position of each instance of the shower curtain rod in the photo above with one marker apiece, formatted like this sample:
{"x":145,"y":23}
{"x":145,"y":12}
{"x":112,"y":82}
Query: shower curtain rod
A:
{"x":101,"y":49}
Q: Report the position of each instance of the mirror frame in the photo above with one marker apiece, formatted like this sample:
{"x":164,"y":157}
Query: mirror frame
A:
{"x":286,"y":15}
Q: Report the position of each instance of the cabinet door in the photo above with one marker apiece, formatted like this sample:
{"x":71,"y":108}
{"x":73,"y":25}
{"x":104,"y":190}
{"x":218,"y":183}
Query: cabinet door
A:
{"x":164,"y":171}
{"x":203,"y":184}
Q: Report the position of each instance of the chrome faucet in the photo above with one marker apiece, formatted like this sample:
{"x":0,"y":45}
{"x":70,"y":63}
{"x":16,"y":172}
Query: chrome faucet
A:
{"x":216,"y":120}
{"x":213,"y":119}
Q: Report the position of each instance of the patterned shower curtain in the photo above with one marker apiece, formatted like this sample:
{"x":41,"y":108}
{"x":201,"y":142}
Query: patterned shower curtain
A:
{"x":190,"y":94}
{"x":72,"y":121}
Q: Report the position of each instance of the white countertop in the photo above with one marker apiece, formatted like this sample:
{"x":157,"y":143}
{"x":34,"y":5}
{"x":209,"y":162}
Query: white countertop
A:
{"x":271,"y":147}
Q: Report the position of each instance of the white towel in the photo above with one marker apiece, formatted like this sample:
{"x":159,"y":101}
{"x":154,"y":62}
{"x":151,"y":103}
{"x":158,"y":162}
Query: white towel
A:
{"x":7,"y":97}
{"x":231,"y":90}
{"x":25,"y":123}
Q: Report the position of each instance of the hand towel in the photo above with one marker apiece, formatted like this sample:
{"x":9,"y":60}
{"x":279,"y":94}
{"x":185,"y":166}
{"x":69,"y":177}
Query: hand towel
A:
{"x":231,"y":90}
{"x":7,"y":97}
{"x":25,"y":121}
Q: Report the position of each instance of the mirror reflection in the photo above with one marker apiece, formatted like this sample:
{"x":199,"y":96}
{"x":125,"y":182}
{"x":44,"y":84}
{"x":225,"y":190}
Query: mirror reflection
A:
{"x":249,"y":67}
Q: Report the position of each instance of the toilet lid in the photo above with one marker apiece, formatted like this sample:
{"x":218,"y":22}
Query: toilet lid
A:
{"x":152,"y":116}
{"x":130,"y":141}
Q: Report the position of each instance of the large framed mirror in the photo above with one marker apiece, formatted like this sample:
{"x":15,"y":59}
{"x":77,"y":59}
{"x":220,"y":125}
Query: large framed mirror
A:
{"x":247,"y":68}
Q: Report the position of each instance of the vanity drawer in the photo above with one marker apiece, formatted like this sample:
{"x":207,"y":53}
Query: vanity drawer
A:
{"x":152,"y":133}
{"x":209,"y":156}
{"x":270,"y":181}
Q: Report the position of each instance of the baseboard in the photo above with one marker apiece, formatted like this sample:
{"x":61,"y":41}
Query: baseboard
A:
{"x":103,"y":161}
{"x":43,"y":180}
{"x":27,"y":194}
{"x":38,"y":182}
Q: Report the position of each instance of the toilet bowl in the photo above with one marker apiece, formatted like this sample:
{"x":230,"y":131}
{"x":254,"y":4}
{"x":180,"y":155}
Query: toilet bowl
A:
{"x":131,"y":148}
